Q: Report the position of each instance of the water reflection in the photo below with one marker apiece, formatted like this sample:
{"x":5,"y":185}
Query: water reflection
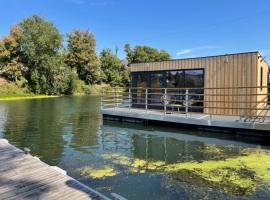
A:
{"x":70,"y":133}
{"x":147,"y":143}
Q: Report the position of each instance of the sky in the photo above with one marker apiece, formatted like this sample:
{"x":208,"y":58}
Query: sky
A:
{"x":184,"y":28}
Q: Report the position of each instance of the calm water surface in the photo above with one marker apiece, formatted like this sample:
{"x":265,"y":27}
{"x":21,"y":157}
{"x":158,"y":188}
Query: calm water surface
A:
{"x":69,"y":132}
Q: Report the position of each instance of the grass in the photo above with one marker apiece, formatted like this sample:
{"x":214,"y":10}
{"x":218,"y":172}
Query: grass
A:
{"x":11,"y":91}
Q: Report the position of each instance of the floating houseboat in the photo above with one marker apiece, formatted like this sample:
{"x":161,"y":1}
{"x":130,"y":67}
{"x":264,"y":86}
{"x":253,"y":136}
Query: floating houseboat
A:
{"x":228,"y":90}
{"x":231,"y":84}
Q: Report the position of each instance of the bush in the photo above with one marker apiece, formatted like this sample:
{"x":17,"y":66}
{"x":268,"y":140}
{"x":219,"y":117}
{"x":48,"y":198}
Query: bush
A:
{"x":13,"y":90}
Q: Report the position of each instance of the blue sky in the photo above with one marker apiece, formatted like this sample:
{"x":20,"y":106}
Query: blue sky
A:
{"x":185,"y":28}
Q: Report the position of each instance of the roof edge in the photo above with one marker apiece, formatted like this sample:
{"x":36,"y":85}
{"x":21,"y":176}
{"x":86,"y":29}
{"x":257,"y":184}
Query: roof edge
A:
{"x":201,"y":57}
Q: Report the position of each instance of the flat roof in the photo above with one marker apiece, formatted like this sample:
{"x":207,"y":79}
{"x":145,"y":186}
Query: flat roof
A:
{"x":202,"y":57}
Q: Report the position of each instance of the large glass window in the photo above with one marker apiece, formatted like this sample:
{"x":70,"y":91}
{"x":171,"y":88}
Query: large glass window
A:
{"x":139,"y":83}
{"x":142,"y":80}
{"x":194,"y":78}
{"x":175,"y":79}
{"x":156,"y":85}
{"x":157,"y":80}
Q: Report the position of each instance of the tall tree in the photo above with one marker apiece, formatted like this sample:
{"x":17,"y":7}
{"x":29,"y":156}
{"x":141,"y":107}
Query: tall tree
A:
{"x":113,"y":71}
{"x":145,"y":54}
{"x":39,"y":48}
{"x":10,"y":65}
{"x":82,"y":56}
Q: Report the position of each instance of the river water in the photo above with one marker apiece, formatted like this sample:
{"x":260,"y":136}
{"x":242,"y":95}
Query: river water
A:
{"x":115,"y":157}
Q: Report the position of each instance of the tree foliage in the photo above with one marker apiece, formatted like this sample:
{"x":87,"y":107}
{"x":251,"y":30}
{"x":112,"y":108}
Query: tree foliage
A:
{"x":10,"y":65}
{"x":82,"y":56}
{"x":141,"y":54}
{"x":33,"y":55}
{"x":113,"y":71}
{"x":39,"y":48}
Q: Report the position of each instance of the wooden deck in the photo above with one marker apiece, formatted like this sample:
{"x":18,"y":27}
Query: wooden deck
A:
{"x":23,"y":176}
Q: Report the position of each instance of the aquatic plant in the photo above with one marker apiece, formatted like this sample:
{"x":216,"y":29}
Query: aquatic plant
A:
{"x":238,"y":175}
{"x":92,"y":172}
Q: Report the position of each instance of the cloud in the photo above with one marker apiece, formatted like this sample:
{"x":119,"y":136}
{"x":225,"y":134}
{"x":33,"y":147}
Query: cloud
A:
{"x":192,"y":50}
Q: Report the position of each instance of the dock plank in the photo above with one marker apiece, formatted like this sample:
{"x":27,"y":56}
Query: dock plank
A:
{"x":23,"y":176}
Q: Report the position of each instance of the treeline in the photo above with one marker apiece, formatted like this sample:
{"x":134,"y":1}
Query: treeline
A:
{"x":34,"y":56}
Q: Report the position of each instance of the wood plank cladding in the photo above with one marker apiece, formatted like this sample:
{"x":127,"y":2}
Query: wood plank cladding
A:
{"x":227,"y":72}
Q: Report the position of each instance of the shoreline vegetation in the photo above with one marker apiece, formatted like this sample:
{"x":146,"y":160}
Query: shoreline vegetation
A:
{"x":34,"y":56}
{"x":13,"y":91}
{"x":31,"y":96}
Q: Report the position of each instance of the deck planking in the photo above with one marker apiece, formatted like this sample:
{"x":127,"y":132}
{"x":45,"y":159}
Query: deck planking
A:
{"x":23,"y":176}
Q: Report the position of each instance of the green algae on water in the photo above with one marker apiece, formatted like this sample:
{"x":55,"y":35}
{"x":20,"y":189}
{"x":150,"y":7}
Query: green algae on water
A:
{"x":97,"y":173}
{"x":239,"y":175}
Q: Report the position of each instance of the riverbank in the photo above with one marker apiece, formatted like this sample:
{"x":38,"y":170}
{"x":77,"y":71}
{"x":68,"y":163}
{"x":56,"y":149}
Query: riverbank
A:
{"x":8,"y":98}
{"x":12,"y":91}
{"x":15,"y":91}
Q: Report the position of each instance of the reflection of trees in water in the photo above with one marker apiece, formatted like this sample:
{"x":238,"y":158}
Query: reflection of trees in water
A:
{"x":42,"y":124}
{"x":166,"y":149}
{"x":173,"y":150}
{"x":37,"y":124}
{"x":85,"y":122}
{"x":146,"y":145}
{"x":115,"y":140}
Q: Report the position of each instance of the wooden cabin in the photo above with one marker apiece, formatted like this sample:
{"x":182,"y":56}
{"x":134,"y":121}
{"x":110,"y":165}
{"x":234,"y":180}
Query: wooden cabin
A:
{"x":232,"y":84}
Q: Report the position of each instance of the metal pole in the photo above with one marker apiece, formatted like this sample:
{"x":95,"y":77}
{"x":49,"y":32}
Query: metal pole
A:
{"x":241,"y":104}
{"x":114,"y":99}
{"x":146,"y":98}
{"x":129,"y":99}
{"x":101,"y":99}
{"x":186,"y":99}
{"x":165,"y":100}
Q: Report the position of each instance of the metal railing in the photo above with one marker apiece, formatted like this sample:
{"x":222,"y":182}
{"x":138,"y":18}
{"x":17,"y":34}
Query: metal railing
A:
{"x":245,"y":102}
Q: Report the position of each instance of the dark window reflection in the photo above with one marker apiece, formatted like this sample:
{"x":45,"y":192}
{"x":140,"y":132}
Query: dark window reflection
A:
{"x":175,"y":79}
{"x":157,"y":80}
{"x":139,"y":82}
{"x":194,"y":78}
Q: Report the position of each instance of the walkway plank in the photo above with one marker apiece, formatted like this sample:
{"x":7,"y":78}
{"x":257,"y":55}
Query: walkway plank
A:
{"x":23,"y":176}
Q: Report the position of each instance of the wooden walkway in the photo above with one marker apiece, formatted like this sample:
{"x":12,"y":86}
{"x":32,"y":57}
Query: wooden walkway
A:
{"x":23,"y":176}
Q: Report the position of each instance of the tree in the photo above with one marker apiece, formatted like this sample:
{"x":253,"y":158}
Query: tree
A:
{"x":39,"y":46}
{"x":10,"y":65}
{"x":145,"y":54}
{"x":82,"y":56}
{"x":113,"y":71}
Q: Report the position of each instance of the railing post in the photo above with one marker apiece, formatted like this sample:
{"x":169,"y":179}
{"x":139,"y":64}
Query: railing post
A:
{"x":114,"y":99}
{"x":146,"y":98}
{"x":186,"y":100}
{"x":241,"y":113}
{"x":129,"y":99}
{"x":165,"y":100}
{"x":101,"y":98}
